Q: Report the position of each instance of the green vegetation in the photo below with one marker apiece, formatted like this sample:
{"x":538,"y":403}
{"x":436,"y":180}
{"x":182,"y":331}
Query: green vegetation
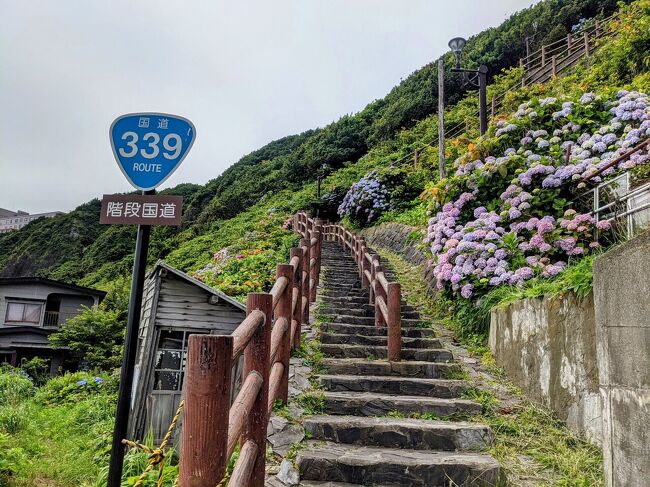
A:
{"x":235,"y":231}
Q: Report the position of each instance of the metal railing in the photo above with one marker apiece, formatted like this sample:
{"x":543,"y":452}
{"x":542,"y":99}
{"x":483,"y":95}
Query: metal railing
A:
{"x":615,"y":200}
{"x":54,"y":319}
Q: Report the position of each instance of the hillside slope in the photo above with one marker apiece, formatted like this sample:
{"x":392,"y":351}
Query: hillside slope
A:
{"x":75,"y":247}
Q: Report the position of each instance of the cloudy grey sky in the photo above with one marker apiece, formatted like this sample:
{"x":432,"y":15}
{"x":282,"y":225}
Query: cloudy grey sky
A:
{"x":245,"y":72}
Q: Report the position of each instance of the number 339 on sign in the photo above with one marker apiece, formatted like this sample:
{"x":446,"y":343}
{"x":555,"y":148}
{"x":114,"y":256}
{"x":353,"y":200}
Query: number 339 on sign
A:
{"x":149,"y":147}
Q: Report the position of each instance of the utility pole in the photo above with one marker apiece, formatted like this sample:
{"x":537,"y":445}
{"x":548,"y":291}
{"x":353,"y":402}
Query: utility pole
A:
{"x":441,"y":117}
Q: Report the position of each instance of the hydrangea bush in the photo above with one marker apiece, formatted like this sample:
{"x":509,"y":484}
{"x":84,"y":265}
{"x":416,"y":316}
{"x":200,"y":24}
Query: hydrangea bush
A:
{"x":507,"y":219}
{"x":365,"y":200}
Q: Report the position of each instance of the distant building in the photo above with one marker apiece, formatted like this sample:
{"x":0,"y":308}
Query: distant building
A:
{"x":31,"y":308}
{"x":15,"y":220}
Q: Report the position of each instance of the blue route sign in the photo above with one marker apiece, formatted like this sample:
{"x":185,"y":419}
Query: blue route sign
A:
{"x":149,"y":147}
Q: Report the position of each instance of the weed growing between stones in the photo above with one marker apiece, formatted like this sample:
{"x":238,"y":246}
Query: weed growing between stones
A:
{"x":312,"y":402}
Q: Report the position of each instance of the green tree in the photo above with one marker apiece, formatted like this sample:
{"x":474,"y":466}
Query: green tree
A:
{"x":96,"y":335}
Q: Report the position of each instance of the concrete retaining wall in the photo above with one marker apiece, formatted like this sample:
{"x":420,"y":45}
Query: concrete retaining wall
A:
{"x":622,"y":299}
{"x":547,"y":346}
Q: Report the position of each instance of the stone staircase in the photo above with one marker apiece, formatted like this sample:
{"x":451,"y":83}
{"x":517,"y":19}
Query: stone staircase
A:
{"x":364,"y":438}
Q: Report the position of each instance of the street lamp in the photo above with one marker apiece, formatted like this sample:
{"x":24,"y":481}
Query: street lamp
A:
{"x":480,"y":79}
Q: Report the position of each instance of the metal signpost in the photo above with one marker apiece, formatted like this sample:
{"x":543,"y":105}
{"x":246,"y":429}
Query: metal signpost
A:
{"x":148,"y":148}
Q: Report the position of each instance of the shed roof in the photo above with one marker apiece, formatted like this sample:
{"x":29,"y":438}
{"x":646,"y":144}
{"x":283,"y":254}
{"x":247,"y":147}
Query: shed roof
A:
{"x":162,"y":265}
{"x":51,"y":282}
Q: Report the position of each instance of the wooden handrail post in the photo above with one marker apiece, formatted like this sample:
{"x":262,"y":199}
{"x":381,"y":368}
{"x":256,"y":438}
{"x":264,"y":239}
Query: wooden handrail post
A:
{"x":543,"y":56}
{"x":319,"y":250}
{"x":394,"y":305}
{"x":283,"y":310}
{"x":379,"y":292}
{"x":493,"y":106}
{"x":554,"y":65}
{"x":373,"y":277}
{"x":361,"y":244}
{"x":314,"y":254}
{"x":569,"y":39}
{"x":207,"y":389}
{"x":585,"y":38}
{"x":256,"y":359}
{"x":296,"y":320}
{"x":365,"y":266}
{"x":305,"y":244}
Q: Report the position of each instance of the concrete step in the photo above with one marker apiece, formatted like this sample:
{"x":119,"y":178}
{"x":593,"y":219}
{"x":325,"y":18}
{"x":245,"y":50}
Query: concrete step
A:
{"x":373,"y":404}
{"x":378,"y":341}
{"x":408,"y":468}
{"x":365,"y":351}
{"x":374,"y":330}
{"x":442,"y":388}
{"x":417,"y":434}
{"x":353,"y":366}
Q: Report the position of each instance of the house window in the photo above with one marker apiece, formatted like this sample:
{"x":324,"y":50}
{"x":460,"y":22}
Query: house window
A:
{"x":27,"y":313}
{"x":170,"y":360}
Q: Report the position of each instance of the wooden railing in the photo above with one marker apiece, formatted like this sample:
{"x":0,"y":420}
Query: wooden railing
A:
{"x":547,"y":62}
{"x":564,"y":53}
{"x":385,"y":295}
{"x":212,"y":426}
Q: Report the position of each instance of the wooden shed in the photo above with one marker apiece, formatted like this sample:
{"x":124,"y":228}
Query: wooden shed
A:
{"x":174,"y":306}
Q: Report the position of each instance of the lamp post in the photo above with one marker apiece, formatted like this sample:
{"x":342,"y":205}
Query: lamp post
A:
{"x":480,"y":80}
{"x":322,"y":172}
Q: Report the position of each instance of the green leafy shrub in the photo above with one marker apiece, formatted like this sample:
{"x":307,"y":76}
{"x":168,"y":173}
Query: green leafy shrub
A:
{"x":12,"y":419}
{"x":15,"y":387}
{"x":71,"y":388}
{"x":96,"y":334}
{"x":38,"y":369}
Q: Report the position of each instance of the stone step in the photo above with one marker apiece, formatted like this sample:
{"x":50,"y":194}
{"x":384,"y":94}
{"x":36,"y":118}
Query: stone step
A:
{"x":374,"y":330}
{"x":378,"y":341}
{"x":442,"y":388}
{"x":370,"y":321}
{"x":365,"y":351}
{"x":417,"y":434}
{"x":353,"y":302}
{"x":373,"y":404}
{"x":408,"y":468}
{"x":325,"y":483}
{"x":354,"y":292}
{"x":364,"y":311}
{"x":353,"y":366}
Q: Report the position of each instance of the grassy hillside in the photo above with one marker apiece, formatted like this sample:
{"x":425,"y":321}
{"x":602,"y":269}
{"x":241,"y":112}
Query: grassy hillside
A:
{"x":74,"y":247}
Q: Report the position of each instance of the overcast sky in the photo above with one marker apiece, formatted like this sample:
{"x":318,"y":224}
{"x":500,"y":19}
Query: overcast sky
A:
{"x":245,"y":72}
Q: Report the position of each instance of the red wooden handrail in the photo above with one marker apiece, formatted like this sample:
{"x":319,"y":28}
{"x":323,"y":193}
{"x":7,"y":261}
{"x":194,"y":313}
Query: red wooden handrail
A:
{"x":385,"y":295}
{"x":212,"y":426}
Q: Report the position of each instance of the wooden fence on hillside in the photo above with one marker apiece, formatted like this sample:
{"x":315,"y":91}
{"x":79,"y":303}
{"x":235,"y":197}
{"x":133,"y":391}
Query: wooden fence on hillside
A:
{"x":385,"y":295}
{"x":541,"y":65}
{"x":212,"y":427}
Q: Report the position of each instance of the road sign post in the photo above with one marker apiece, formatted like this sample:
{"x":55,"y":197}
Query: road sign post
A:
{"x":148,"y":148}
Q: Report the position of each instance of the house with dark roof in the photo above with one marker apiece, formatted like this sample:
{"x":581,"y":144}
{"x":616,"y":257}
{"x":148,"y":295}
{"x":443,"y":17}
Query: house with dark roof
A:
{"x":32,"y":308}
